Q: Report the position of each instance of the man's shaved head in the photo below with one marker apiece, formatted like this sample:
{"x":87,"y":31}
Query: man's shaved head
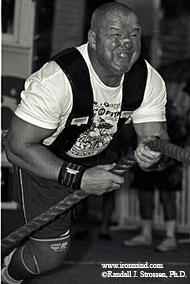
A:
{"x":102,"y":11}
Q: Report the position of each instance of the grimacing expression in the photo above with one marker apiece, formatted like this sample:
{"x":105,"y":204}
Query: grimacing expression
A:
{"x":118,"y":43}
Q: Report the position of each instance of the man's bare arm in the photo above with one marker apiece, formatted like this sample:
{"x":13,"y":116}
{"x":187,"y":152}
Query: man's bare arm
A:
{"x":25,"y":150}
{"x":147,"y":129}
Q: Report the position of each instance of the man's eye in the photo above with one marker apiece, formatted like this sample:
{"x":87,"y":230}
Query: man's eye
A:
{"x":116,"y":35}
{"x":134,"y":35}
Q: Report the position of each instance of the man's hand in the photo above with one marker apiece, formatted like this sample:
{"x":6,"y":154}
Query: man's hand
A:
{"x":99,"y":179}
{"x":144,"y":156}
{"x":124,"y":164}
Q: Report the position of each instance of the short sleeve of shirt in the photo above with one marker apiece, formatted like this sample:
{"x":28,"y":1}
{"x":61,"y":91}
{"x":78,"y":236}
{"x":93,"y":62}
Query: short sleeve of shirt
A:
{"x":153,"y":106}
{"x":46,"y":97}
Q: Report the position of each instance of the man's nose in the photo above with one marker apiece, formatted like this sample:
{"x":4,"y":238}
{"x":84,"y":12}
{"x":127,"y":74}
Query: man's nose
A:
{"x":126,"y":42}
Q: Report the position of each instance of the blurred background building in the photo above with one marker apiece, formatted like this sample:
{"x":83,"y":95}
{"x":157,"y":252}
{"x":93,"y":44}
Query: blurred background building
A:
{"x":33,"y":31}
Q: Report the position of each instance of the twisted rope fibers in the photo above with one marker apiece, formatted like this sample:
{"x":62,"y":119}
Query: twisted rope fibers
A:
{"x":16,"y":236}
{"x":170,"y":150}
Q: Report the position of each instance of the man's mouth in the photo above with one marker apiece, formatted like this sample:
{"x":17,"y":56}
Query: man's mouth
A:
{"x":123,"y":55}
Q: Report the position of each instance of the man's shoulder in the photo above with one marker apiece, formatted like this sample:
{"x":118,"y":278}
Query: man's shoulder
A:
{"x":47,"y":71}
{"x":153,"y":70}
{"x":50,"y":79}
{"x":154,"y":77}
{"x":70,"y":60}
{"x":82,"y":48}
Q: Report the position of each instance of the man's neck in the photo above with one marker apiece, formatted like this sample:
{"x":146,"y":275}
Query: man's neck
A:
{"x":107,"y":78}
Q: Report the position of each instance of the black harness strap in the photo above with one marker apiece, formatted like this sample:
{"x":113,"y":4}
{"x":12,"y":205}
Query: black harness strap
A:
{"x":133,"y":88}
{"x":75,"y":68}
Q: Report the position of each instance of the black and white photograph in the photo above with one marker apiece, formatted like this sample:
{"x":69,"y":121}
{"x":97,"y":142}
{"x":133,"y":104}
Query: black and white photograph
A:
{"x":95,"y":142}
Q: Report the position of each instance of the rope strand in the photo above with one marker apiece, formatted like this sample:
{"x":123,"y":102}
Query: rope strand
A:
{"x":170,"y":150}
{"x":16,"y":236}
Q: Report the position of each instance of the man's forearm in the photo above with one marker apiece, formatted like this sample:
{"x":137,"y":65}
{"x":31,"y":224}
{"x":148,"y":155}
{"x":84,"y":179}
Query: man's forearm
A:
{"x":38,"y":160}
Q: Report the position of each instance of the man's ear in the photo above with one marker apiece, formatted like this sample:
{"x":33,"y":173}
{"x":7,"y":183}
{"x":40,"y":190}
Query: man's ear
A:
{"x":92,"y":38}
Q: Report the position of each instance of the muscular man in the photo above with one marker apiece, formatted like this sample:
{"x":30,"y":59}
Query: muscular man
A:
{"x":42,"y":142}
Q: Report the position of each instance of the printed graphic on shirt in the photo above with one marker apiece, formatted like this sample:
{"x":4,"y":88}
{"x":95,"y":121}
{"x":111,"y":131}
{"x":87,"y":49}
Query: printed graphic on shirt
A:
{"x":100,"y":133}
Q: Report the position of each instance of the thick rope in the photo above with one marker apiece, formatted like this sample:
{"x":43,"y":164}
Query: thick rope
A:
{"x":173,"y":151}
{"x":15,"y":237}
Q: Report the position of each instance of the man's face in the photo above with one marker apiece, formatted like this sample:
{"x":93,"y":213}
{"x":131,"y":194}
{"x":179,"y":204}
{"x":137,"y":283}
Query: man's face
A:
{"x":118,"y":43}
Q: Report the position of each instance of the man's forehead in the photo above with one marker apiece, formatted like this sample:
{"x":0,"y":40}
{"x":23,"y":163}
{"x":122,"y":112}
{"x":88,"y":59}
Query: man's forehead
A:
{"x":117,"y":21}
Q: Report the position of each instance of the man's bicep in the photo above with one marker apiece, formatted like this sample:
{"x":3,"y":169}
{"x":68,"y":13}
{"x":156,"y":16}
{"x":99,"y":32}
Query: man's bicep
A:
{"x":24,"y":132}
{"x":146,"y":129}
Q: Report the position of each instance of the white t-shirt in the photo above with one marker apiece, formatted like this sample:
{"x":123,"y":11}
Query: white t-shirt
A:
{"x":47,"y":102}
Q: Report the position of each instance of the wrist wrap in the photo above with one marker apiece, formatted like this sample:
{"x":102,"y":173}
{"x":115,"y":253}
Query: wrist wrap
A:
{"x":70,"y":175}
